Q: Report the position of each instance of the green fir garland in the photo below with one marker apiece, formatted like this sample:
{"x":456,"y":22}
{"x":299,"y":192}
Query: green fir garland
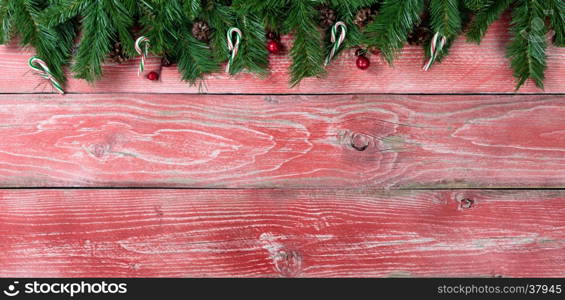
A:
{"x":53,"y":27}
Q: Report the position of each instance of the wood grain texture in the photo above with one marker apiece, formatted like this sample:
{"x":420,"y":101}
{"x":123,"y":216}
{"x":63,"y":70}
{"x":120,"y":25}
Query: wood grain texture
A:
{"x":282,"y":141}
{"x":178,"y":233}
{"x":469,"y":69}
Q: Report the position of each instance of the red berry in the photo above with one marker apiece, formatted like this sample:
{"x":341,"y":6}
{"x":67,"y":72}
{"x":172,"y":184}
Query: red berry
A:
{"x":273,"y":47}
{"x":153,"y":76}
{"x":363,"y":62}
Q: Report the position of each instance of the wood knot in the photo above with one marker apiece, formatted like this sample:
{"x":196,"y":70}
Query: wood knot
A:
{"x":466,"y":203}
{"x":100,"y":150}
{"x":360,"y":142}
{"x":288,"y":263}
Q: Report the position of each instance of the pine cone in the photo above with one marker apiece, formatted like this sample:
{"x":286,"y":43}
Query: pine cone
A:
{"x":117,"y":55}
{"x":420,"y":35}
{"x":201,"y":31}
{"x":327,"y":16}
{"x":363,"y":17}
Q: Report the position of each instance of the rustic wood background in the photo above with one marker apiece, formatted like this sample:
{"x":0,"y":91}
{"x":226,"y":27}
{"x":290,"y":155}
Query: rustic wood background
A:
{"x":386,"y":172}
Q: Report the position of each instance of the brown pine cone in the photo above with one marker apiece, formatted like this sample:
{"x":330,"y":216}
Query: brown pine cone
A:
{"x":117,"y":55}
{"x":420,"y":35}
{"x":201,"y":31}
{"x":328,"y":16}
{"x":363,"y":17}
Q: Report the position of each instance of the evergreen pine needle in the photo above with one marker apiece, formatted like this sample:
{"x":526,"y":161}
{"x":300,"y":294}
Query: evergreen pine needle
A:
{"x":102,"y":23}
{"x":556,"y":11}
{"x":389,"y":31}
{"x":477,"y":5}
{"x":527,"y":48}
{"x":346,"y":12}
{"x":194,"y":58}
{"x":193,"y":8}
{"x":484,"y":18}
{"x":445,"y":17}
{"x":253,"y":55}
{"x":220,"y":19}
{"x":94,"y":45}
{"x":307,"y":52}
{"x":52,"y":44}
{"x":49,"y":26}
{"x":6,"y":19}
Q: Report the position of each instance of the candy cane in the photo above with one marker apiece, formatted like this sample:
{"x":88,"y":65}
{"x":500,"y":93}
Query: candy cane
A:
{"x":233,"y":46}
{"x":336,"y":42}
{"x":436,"y":47}
{"x":142,"y":50}
{"x":43,"y":70}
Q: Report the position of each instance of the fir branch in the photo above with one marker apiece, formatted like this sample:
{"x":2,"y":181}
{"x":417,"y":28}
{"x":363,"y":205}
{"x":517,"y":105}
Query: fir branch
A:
{"x":193,"y":8}
{"x":556,"y":10}
{"x":53,"y":45}
{"x":244,"y":7}
{"x":49,"y":27}
{"x":484,"y":18}
{"x":95,"y":43}
{"x":62,"y":11}
{"x":103,"y":21}
{"x":527,"y":48}
{"x":346,"y":12}
{"x":307,"y":52}
{"x":220,"y":18}
{"x":161,"y":20}
{"x":477,"y":5}
{"x":252,"y":55}
{"x":122,"y":20}
{"x":389,"y":31}
{"x":194,"y":58}
{"x":6,"y":20}
{"x":445,"y":17}
{"x":348,"y":9}
{"x":168,"y":29}
{"x":25,"y":25}
{"x":462,"y":21}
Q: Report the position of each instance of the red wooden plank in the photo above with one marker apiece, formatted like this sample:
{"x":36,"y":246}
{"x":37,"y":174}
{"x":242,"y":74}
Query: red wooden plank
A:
{"x":177,"y":233}
{"x":282,"y":141}
{"x":469,"y":69}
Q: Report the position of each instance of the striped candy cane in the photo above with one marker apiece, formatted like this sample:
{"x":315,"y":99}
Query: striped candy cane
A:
{"x":337,"y":42}
{"x":233,"y":46}
{"x":43,"y":70}
{"x":438,"y":42}
{"x":142,"y":48}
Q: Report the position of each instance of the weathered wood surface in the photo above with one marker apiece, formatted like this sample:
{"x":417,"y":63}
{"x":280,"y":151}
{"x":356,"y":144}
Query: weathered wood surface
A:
{"x":177,"y":233}
{"x":469,"y":69}
{"x":365,"y":185}
{"x":282,"y":141}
